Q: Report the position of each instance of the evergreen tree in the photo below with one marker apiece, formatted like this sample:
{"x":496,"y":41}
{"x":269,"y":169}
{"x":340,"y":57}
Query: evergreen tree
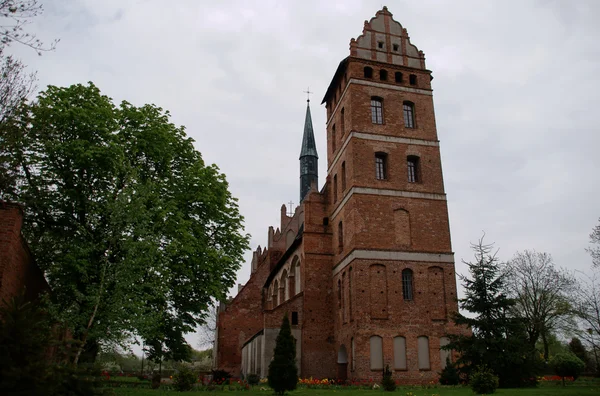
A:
{"x":497,"y":340}
{"x":283,"y":373}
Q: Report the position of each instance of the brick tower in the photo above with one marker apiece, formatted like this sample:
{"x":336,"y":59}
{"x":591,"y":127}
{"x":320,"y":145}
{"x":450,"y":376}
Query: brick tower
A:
{"x":393,"y":266}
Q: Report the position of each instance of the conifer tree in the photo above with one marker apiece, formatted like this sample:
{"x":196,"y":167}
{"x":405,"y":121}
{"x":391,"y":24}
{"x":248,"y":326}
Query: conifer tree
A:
{"x":283,"y":373}
{"x":497,"y":340}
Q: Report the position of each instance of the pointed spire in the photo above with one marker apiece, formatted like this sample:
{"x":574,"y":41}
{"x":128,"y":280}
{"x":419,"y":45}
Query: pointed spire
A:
{"x":309,"y":159}
{"x":309,"y":147}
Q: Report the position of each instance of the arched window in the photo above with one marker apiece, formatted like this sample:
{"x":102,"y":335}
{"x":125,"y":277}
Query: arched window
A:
{"x":409,"y":114}
{"x":445,"y":354}
{"x":376,"y":349}
{"x":296,"y":264}
{"x":333,"y":138}
{"x":412,"y":163}
{"x":380,"y":166}
{"x":412,"y":79}
{"x":350,"y":293}
{"x":353,"y":354}
{"x":339,"y":293}
{"x":340,"y":237}
{"x":423,"y":352}
{"x":383,"y":75}
{"x":400,"y":353}
{"x":376,"y":110}
{"x":398,"y":77}
{"x":407,"y":284}
{"x":368,"y":72}
{"x":343,"y":176}
{"x":342,"y":122}
{"x":284,"y":288}
{"x":335,"y":188}
{"x":344,"y":306}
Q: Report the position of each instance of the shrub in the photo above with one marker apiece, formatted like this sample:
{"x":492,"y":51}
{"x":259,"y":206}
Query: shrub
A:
{"x":387,"y":382}
{"x":283,"y":373}
{"x":484,"y":381}
{"x":449,"y":375}
{"x":185,"y":379}
{"x":253,"y":379}
{"x":220,"y":376}
{"x":567,"y":365}
{"x":156,"y":377}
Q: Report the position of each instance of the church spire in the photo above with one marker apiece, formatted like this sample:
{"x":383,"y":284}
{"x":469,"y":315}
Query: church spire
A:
{"x":309,"y":159}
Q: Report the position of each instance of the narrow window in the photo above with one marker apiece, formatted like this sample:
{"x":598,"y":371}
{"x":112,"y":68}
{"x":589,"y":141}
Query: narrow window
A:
{"x":350,"y":293}
{"x":335,"y":188}
{"x":342,"y":122}
{"x":376,"y":347}
{"x":380,"y":44}
{"x":339,"y":294}
{"x":412,"y":163}
{"x":352,"y":351}
{"x":344,"y":176}
{"x":409,"y":114}
{"x":294,"y":318}
{"x":396,"y":47}
{"x":400,"y":353}
{"x":380,"y":166}
{"x":333,"y":138}
{"x":368,"y":72}
{"x":297,"y":275}
{"x":398,"y":77}
{"x":340,"y":237}
{"x":383,"y":75}
{"x":344,"y":316}
{"x":407,"y":284}
{"x":376,"y":110}
{"x":412,"y":79}
{"x":423,"y":352}
{"x":276,"y":293}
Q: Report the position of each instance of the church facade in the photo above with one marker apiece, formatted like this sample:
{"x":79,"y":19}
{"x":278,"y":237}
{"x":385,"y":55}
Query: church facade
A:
{"x":364,"y":268}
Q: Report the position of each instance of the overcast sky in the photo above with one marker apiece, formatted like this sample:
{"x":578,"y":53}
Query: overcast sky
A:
{"x":516,"y":92}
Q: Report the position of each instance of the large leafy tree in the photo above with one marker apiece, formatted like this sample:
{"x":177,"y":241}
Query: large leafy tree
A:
{"x":496,"y":340}
{"x":541,"y":293}
{"x":135,"y":233}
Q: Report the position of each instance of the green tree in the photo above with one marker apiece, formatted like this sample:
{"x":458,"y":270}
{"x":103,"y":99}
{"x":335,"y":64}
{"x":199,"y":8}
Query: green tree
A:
{"x":283,"y":373}
{"x":494,"y":332}
{"x":541,"y":293}
{"x":135,"y":233}
{"x":567,"y":365}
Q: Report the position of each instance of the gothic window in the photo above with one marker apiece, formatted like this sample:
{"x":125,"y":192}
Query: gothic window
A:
{"x":333,"y":138}
{"x":400,"y":353}
{"x":409,"y":114}
{"x":353,"y":353}
{"x":296,"y":263}
{"x":344,"y":316}
{"x":383,"y":75}
{"x":339,"y":293}
{"x":350,"y":293}
{"x":342,"y":122}
{"x":398,"y":77}
{"x":380,"y":166}
{"x":376,"y":110}
{"x":368,"y":72}
{"x":335,"y":188}
{"x":284,"y":287}
{"x":445,"y":354}
{"x":412,"y":163}
{"x":376,"y":349}
{"x":423,"y":353}
{"x":407,"y":284}
{"x":340,"y":237}
{"x":412,"y":79}
{"x":344,"y":176}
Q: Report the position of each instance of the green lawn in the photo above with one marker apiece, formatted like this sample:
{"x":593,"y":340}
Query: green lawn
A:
{"x":548,"y":389}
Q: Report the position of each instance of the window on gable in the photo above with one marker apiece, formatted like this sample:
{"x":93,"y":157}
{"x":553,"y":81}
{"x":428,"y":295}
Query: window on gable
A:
{"x":380,"y":166}
{"x":396,"y":47}
{"x":412,"y":163}
{"x":340,"y":237}
{"x":407,"y":284}
{"x":409,"y":114}
{"x":380,"y":44}
{"x":383,"y":75}
{"x":376,"y":110}
{"x":368,"y":72}
{"x":412,"y":79}
{"x":398,"y":77}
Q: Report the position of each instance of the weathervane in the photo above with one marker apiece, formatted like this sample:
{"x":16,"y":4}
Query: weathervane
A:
{"x":307,"y":92}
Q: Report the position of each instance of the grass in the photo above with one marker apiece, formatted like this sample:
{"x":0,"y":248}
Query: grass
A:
{"x":575,"y":389}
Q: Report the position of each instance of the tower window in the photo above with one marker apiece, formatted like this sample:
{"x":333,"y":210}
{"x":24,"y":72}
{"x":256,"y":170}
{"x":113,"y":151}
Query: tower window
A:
{"x":412,"y":79}
{"x":376,"y":110}
{"x":294,"y":318}
{"x":398,"y":77}
{"x":412,"y":163}
{"x":335,"y":188}
{"x":380,"y":44}
{"x":396,"y":47}
{"x":344,"y":176}
{"x":407,"y":284}
{"x":342,"y":122}
{"x":380,"y":166}
{"x":340,"y":237}
{"x":333,"y":138}
{"x":409,"y":114}
{"x":368,"y":72}
{"x":383,"y":75}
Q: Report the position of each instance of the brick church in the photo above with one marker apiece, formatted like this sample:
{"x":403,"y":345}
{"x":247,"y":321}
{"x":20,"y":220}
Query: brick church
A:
{"x":364,"y":267}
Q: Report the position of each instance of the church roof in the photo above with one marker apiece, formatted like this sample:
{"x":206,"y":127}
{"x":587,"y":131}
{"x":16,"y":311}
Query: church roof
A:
{"x":309,"y":147}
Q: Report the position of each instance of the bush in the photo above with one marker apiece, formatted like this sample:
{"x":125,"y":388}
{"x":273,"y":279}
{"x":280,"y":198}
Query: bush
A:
{"x":253,"y":379}
{"x":220,"y":376}
{"x":283,"y":373}
{"x":156,"y":377}
{"x":387,"y":382}
{"x":449,"y":375}
{"x":484,"y":381}
{"x":185,"y":379}
{"x":567,"y":365}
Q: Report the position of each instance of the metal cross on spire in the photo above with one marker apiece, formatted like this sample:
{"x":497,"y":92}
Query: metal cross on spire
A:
{"x":307,"y":92}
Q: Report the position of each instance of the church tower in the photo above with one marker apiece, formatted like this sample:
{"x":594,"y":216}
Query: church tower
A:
{"x":309,"y":159}
{"x":393,"y":266}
